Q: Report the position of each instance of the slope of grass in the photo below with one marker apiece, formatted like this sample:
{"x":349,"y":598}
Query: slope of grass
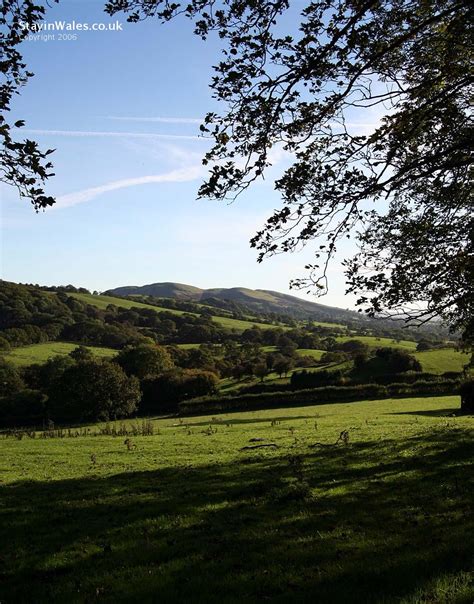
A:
{"x":188,"y":346}
{"x":311,"y":352}
{"x":444,"y":359}
{"x":326,"y":324}
{"x":190,"y":516}
{"x":376,"y":342}
{"x":104,"y":301}
{"x":241,"y":325}
{"x":40,"y":353}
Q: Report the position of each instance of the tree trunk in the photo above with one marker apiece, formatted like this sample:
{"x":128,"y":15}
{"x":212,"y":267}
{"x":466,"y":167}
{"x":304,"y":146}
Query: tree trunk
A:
{"x":467,"y":397}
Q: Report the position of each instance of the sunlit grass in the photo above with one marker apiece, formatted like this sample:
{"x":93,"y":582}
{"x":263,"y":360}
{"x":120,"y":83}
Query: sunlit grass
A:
{"x":40,"y":353}
{"x":186,"y":515}
{"x":104,"y":301}
{"x":444,"y":359}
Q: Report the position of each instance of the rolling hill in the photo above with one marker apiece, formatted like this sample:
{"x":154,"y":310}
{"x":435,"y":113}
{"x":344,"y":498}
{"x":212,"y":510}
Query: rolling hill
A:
{"x":257,"y":300}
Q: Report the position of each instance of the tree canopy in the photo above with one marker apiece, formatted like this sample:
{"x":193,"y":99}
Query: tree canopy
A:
{"x":402,"y":183}
{"x":23,"y":164}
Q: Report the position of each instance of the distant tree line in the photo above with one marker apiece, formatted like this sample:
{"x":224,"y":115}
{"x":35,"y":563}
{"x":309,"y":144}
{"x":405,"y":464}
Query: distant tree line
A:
{"x":81,"y":388}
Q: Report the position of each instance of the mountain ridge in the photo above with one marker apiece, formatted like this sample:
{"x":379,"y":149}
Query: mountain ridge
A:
{"x":261,"y":300}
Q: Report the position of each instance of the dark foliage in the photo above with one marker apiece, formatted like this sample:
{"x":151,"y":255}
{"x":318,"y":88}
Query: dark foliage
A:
{"x":93,"y":391}
{"x":385,"y":362}
{"x":315,"y":379}
{"x":10,"y":379}
{"x":163,"y":394}
{"x":24,"y":408}
{"x":467,"y":397}
{"x":144,"y":361}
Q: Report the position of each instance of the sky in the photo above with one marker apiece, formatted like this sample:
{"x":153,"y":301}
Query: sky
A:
{"x":122,"y":109}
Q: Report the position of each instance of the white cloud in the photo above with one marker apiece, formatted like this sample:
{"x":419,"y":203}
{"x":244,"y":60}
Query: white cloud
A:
{"x":106,"y":134}
{"x":174,"y":154}
{"x":161,"y":120}
{"x":182,"y":175}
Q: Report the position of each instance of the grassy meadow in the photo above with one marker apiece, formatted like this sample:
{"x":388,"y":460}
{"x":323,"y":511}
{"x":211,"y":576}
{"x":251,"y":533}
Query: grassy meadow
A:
{"x":192,"y":514}
{"x":103,"y":301}
{"x":379,"y":342}
{"x":40,"y":353}
{"x":442,"y":360}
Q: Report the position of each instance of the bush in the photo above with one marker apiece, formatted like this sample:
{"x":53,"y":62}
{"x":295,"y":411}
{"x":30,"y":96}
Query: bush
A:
{"x":333,"y":358}
{"x":353,"y":347}
{"x":162,"y":394}
{"x":4,"y":344}
{"x":145,"y":360}
{"x":81,"y":353}
{"x":24,"y":408}
{"x":42,"y":377}
{"x":314,"y":379}
{"x":397,"y":361}
{"x":93,"y":391}
{"x":387,"y":361}
{"x":423,"y":346}
{"x":10,"y":379}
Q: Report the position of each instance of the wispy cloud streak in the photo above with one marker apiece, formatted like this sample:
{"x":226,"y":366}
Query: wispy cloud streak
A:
{"x":161,"y":120}
{"x":107,"y":134}
{"x":181,"y":175}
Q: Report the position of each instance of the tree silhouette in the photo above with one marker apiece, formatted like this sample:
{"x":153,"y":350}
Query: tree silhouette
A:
{"x":402,"y":183}
{"x":23,"y":164}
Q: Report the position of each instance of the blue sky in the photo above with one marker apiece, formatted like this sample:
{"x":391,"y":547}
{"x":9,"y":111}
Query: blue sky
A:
{"x":122,"y":108}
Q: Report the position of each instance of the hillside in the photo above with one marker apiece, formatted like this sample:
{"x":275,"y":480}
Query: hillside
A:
{"x":257,"y":300}
{"x":104,"y":301}
{"x":173,"y":515}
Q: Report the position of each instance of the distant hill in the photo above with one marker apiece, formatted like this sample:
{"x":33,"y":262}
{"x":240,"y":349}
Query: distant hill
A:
{"x":257,"y":300}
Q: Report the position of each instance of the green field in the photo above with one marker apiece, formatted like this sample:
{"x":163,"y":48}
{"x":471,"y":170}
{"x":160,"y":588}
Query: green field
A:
{"x":188,"y":346}
{"x":185,"y":515}
{"x":325,"y":324}
{"x":444,"y":359}
{"x":311,"y":352}
{"x":40,"y":353}
{"x":375,"y":342}
{"x":239,"y":325}
{"x":104,"y":301}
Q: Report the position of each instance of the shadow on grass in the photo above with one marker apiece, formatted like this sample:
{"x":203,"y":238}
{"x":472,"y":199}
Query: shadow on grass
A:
{"x":451,"y":412}
{"x":365,"y":523}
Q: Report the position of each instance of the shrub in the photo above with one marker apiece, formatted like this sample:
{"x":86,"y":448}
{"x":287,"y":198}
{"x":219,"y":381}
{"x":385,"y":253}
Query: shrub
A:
{"x":353,"y":347}
{"x":397,"y":361}
{"x":423,"y":346}
{"x":144,"y":360}
{"x":283,"y":365}
{"x":42,"y":377}
{"x":81,"y":353}
{"x":333,"y":358}
{"x":4,"y":344}
{"x":387,"y":361}
{"x":10,"y":379}
{"x":163,"y":393}
{"x":314,"y":379}
{"x":23,"y":408}
{"x":93,"y":391}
